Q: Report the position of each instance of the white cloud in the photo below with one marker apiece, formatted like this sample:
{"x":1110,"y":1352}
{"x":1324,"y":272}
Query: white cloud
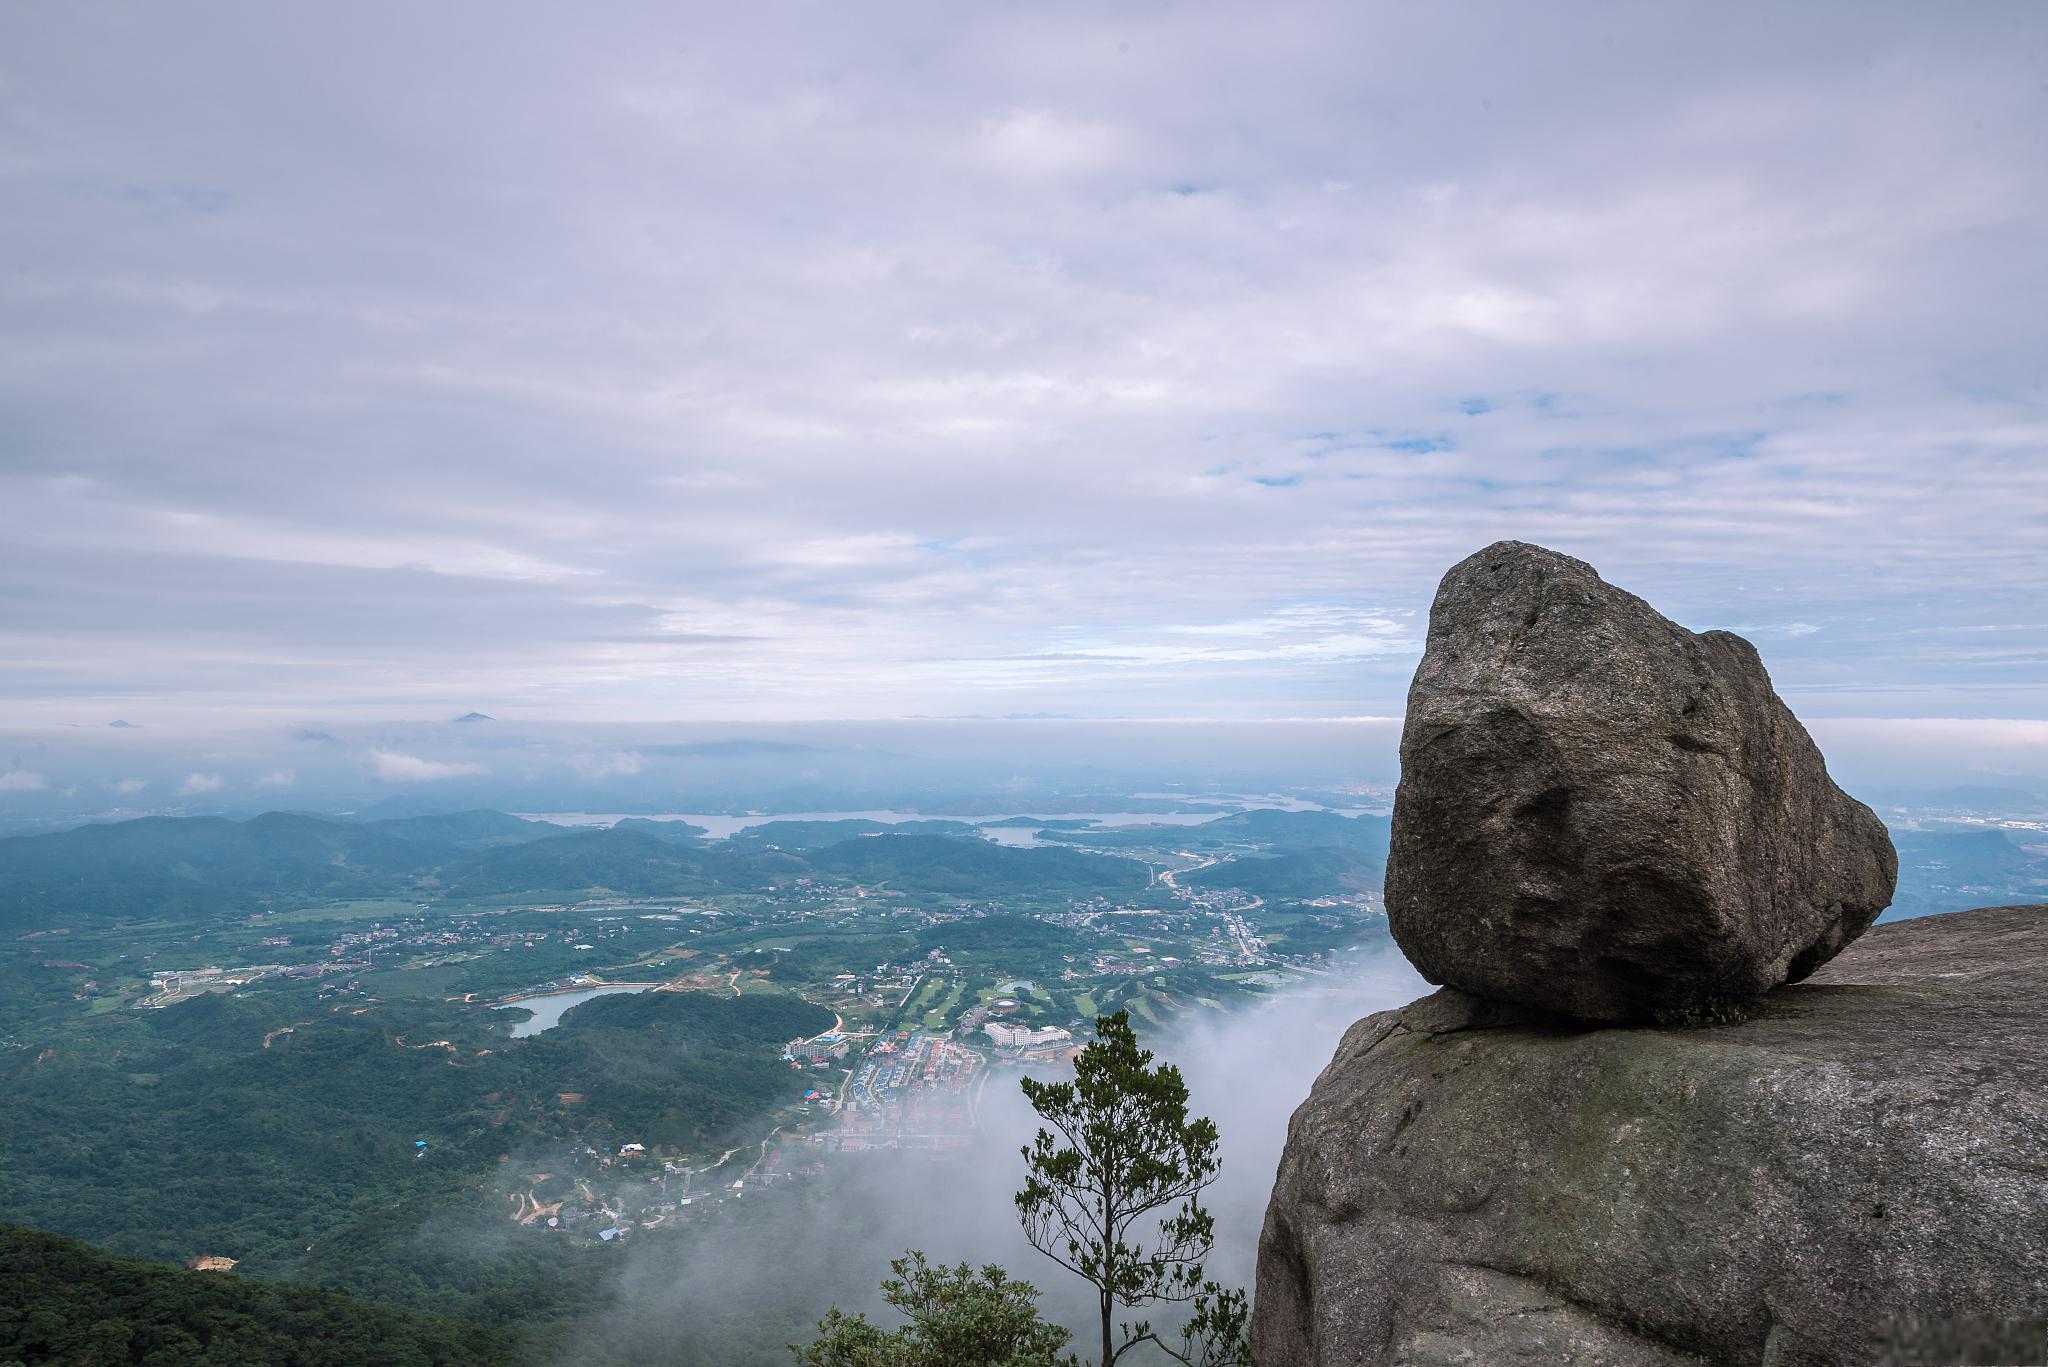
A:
{"x":393,"y":767}
{"x":278,"y":778}
{"x":200,"y":783}
{"x":129,"y":787}
{"x":22,"y":781}
{"x":1339,"y":647}
{"x":1046,"y":143}
{"x":623,"y":764}
{"x":1000,"y":332}
{"x":1986,"y":733}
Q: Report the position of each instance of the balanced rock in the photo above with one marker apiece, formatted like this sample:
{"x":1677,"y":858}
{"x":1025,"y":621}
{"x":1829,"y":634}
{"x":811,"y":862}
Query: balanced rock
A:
{"x":1604,"y":815}
{"x":1854,"y":1174}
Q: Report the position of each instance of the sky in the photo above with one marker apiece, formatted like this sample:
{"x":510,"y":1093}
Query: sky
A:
{"x":798,"y":361}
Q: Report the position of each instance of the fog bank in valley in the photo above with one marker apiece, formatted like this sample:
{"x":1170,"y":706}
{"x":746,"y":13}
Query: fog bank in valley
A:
{"x":738,"y":1291}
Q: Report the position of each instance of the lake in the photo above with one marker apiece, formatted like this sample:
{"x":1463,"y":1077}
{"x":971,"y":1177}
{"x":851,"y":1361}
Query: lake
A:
{"x":548,"y":1008}
{"x":723,"y":825}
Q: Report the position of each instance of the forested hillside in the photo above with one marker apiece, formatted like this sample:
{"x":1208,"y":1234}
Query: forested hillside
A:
{"x":63,"y":1302}
{"x":320,"y":1152}
{"x":160,"y":867}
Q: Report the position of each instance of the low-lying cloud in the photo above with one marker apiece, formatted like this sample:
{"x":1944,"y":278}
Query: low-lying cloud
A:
{"x":1247,"y":1070}
{"x":396,"y":768}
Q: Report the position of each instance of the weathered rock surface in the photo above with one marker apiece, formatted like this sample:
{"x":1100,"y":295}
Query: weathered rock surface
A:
{"x":1472,"y":1183}
{"x":1605,"y":815}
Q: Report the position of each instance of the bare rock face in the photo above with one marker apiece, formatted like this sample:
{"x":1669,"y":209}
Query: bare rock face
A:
{"x":1855,"y":1174}
{"x":1604,"y":815}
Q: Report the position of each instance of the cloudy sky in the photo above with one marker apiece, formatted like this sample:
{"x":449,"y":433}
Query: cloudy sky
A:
{"x":798,"y":361}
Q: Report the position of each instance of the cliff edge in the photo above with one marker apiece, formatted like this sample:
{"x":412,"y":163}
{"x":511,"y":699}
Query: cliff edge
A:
{"x":1855,"y":1173}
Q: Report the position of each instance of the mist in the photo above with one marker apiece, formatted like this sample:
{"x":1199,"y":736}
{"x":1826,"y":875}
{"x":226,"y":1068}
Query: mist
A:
{"x":795,"y":1251}
{"x":965,"y":767}
{"x":57,"y":776}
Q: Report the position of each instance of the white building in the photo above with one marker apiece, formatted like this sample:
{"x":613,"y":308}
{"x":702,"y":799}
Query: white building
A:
{"x":1020,"y":1037}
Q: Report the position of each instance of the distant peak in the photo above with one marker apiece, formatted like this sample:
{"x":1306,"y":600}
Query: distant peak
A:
{"x":124,"y":726}
{"x":474,"y":716}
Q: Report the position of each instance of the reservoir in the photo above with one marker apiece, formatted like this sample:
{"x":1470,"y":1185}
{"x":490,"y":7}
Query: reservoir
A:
{"x":720,"y":826}
{"x":548,"y":1008}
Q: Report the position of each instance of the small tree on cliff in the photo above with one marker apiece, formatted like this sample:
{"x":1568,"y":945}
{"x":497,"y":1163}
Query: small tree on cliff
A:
{"x":958,"y":1317}
{"x":1113,"y":1194}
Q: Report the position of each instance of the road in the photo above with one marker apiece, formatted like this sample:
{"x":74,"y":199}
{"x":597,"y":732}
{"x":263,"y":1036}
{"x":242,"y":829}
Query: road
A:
{"x":762,"y":1157}
{"x":709,"y":1167}
{"x":1166,"y":875}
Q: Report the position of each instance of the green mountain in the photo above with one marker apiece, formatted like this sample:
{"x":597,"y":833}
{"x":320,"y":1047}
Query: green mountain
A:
{"x":1285,"y":877}
{"x":678,"y":832}
{"x":1364,"y":835}
{"x":630,"y":861}
{"x":465,"y":830}
{"x":65,"y":1302}
{"x":208,"y":1128}
{"x":973,"y":868}
{"x":161,"y":868}
{"x":168,"y":866}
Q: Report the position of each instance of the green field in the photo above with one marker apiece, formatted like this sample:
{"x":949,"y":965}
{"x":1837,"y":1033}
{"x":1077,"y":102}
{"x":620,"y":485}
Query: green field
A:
{"x":366,"y":909}
{"x":938,"y":1016}
{"x":433,"y":982}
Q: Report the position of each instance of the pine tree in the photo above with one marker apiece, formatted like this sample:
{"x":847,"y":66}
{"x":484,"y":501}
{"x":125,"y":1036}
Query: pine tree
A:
{"x":1113,"y":1194}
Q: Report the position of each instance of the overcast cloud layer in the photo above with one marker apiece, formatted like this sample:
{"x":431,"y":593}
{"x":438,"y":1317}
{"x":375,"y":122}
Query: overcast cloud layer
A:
{"x":808,"y":360}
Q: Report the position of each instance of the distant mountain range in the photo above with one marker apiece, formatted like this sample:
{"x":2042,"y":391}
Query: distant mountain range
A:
{"x":169,"y":866}
{"x":159,"y":866}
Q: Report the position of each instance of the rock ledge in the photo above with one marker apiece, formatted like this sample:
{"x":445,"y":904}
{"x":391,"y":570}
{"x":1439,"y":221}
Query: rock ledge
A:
{"x":1857,"y":1168}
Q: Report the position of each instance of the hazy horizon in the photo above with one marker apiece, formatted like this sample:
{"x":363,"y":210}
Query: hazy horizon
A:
{"x":973,"y":767}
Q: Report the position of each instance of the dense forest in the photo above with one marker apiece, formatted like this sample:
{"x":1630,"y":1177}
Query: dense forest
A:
{"x":62,"y":1302}
{"x":322,"y":1151}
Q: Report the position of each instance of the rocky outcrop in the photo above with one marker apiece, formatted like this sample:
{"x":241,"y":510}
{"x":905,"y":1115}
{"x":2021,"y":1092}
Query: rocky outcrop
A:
{"x":1605,"y":815}
{"x":1855,"y":1173}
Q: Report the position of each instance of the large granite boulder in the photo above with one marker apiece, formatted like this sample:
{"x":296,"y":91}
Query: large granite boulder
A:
{"x":1855,"y":1174}
{"x":1605,"y":815}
